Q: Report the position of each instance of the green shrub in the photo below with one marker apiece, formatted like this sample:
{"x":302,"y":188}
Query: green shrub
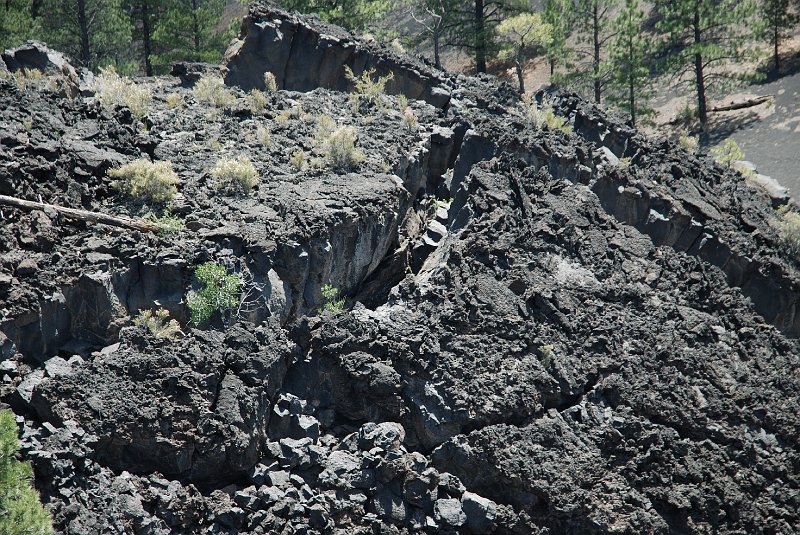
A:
{"x":113,"y":90}
{"x":789,"y":229}
{"x":332,"y":305}
{"x":366,"y":87}
{"x":728,"y":153}
{"x":543,"y":115}
{"x":21,"y":512}
{"x":235,"y":175}
{"x":146,"y":180}
{"x":168,"y":224}
{"x":220,"y":292}
{"x":158,"y":323}
{"x":339,"y":148}
{"x":212,"y":90}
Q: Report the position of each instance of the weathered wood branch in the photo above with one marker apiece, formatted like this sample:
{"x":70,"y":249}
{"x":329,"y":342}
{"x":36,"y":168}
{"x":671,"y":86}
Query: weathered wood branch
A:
{"x":82,"y":215}
{"x":749,"y":103}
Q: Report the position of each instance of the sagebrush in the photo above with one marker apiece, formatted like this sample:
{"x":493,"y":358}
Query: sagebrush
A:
{"x":146,"y":180}
{"x":237,"y":174}
{"x":158,"y":323}
{"x":113,"y":90}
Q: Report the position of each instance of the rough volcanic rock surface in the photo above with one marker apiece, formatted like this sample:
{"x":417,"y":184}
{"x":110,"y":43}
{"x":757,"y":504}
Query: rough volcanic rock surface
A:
{"x":565,"y":341}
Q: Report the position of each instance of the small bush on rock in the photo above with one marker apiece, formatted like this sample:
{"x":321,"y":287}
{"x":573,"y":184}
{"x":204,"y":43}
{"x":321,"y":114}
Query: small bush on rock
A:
{"x":235,"y":175}
{"x":146,"y":180}
{"x":113,"y":90}
{"x":220,"y":292}
{"x":158,"y":323}
{"x":21,"y":513}
{"x":256,"y":101}
{"x":728,"y":153}
{"x":212,"y":90}
{"x":332,"y":304}
{"x":339,"y":148}
{"x":367,"y":87}
{"x":789,"y":229}
{"x":269,"y":82}
{"x":298,"y":160}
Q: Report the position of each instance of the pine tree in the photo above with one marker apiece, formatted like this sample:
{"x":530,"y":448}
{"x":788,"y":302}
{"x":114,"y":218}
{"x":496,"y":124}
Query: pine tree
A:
{"x":17,"y":23}
{"x":21,"y":513}
{"x":628,"y":60}
{"x":593,"y":29}
{"x":435,"y":17}
{"x":778,"y":19}
{"x":145,"y":16}
{"x":95,"y":31}
{"x":355,"y":15}
{"x":190,"y":30}
{"x":705,"y":38}
{"x":521,"y":32}
{"x":559,"y":15}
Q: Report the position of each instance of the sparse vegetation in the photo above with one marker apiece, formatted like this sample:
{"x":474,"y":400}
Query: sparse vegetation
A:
{"x":212,"y":90}
{"x":298,"y":160}
{"x":689,"y":142}
{"x":547,"y":353}
{"x":789,"y":229}
{"x":168,"y":224}
{"x":174,"y":100}
{"x":263,"y":136}
{"x":113,"y":90}
{"x":269,"y":82}
{"x":146,"y":180}
{"x":728,"y":153}
{"x":220,"y":292}
{"x":235,"y":174}
{"x":28,"y":78}
{"x":410,"y":120}
{"x":332,"y":304}
{"x":158,"y":323}
{"x":21,"y":512}
{"x":256,"y":101}
{"x":367,"y":87}
{"x":339,"y":148}
{"x":543,"y":115}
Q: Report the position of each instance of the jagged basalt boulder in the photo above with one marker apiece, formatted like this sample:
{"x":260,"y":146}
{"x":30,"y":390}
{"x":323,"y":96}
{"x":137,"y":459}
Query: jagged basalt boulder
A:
{"x":537,"y":335}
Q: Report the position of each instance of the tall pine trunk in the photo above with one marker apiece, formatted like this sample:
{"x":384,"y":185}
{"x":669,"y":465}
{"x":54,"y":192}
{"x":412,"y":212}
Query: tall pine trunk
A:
{"x":83,"y":25}
{"x":147,"y":38}
{"x":700,"y":80}
{"x":480,"y":37}
{"x":436,"y":59}
{"x":776,"y":39}
{"x":596,"y":58}
{"x":520,"y":74}
{"x":196,"y":29}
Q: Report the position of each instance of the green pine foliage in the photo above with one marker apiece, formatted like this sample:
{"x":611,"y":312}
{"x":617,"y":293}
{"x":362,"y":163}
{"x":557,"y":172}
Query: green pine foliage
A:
{"x":355,"y":15}
{"x":520,"y":33}
{"x":16,"y":23}
{"x":21,"y":512}
{"x":559,"y":15}
{"x":628,"y":60}
{"x":705,"y":39}
{"x":332,"y":303}
{"x":94,"y":32}
{"x":190,"y":30}
{"x":778,"y":19}
{"x":586,"y":71}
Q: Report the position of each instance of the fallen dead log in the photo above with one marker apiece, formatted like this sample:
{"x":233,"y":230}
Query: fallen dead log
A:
{"x":749,"y":103}
{"x":82,"y":215}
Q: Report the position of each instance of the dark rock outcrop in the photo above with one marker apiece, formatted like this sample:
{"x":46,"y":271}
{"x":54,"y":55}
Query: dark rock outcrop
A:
{"x":539,"y":335}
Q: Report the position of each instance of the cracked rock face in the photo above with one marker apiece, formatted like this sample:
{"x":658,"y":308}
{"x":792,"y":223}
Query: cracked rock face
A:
{"x":537,"y":338}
